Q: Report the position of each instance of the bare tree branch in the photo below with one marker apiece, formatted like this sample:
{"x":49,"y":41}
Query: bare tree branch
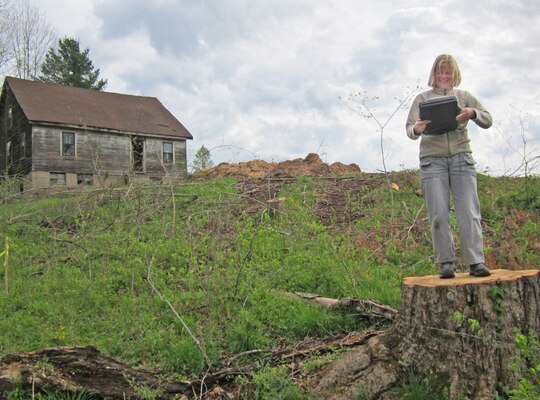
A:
{"x":29,"y":36}
{"x":5,"y":54}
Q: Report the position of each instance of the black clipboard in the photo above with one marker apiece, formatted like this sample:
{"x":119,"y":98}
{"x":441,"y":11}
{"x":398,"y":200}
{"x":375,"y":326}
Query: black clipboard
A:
{"x":442,"y":112}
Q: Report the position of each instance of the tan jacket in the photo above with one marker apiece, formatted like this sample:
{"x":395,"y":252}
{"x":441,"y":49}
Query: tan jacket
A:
{"x":453,"y":142}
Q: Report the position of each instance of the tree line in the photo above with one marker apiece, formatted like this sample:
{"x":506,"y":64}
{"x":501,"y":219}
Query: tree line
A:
{"x":30,"y":49}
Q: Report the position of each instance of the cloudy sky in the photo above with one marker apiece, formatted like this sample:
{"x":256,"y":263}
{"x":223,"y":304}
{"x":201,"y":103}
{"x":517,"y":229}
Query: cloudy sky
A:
{"x":278,"y":79}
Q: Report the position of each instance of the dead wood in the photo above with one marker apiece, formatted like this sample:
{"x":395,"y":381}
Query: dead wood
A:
{"x":77,"y":369}
{"x":288,"y":355}
{"x":365,"y":309}
{"x":370,"y":369}
{"x":86,"y":369}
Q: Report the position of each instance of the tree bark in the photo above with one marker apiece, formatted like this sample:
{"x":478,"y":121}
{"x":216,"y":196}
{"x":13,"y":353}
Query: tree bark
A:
{"x":86,"y":369}
{"x":77,"y":369}
{"x":459,"y":332}
{"x":463,"y":329}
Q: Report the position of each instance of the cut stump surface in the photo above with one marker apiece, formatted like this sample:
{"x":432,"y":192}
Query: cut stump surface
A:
{"x":497,"y":275}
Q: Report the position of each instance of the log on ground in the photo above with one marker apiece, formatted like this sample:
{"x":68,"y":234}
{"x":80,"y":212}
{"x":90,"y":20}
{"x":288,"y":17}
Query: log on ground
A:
{"x":76,"y":370}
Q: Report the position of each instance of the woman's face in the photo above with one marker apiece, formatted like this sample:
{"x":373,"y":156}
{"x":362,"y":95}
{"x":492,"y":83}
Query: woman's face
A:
{"x":444,"y":78}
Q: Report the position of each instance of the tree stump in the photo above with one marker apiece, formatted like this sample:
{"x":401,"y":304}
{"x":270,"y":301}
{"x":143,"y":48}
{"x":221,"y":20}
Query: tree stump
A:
{"x":459,"y":332}
{"x":275,"y":206}
{"x":463,"y":329}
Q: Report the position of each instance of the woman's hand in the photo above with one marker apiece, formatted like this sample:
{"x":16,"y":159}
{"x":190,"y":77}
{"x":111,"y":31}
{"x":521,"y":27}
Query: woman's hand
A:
{"x":466,"y":114}
{"x":420,"y":126}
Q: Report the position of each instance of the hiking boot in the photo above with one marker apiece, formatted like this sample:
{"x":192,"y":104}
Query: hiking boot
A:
{"x":479,"y":269}
{"x":447,"y":270}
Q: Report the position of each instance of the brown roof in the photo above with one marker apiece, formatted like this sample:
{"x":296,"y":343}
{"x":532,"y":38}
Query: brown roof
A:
{"x":67,"y":105}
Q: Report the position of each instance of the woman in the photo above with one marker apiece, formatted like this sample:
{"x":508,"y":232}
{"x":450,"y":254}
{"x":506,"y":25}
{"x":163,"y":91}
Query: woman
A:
{"x":447,"y":167}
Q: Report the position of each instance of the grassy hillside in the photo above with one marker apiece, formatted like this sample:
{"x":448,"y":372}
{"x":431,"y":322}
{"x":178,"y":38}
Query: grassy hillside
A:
{"x":107,"y":267}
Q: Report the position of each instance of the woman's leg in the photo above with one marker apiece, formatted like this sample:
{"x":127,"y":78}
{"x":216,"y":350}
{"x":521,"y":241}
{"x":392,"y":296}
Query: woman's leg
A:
{"x":435,"y":182}
{"x":467,"y":205}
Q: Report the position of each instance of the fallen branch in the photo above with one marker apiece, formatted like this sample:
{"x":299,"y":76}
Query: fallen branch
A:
{"x":77,"y":370}
{"x":283,"y":356}
{"x":86,"y":369}
{"x":365,"y":307}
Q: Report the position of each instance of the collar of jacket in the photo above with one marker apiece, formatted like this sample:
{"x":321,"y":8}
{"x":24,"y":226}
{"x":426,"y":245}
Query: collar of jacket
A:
{"x":444,"y":92}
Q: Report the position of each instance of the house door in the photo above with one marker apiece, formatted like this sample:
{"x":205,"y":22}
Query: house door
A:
{"x":137,"y":146}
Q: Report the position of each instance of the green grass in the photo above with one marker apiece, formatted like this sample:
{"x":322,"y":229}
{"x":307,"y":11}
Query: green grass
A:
{"x":415,"y":387}
{"x":78,"y":266}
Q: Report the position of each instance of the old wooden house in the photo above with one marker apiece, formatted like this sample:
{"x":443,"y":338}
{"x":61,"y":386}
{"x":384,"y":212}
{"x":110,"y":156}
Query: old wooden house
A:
{"x":60,"y":135}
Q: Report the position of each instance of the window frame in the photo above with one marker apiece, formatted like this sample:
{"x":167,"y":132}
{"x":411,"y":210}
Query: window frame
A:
{"x":138,"y":158}
{"x":53,"y":178}
{"x":10,"y":117}
{"x":22,"y":144}
{"x":85,"y":179}
{"x":9,"y":153}
{"x":170,"y":154}
{"x":64,"y":150}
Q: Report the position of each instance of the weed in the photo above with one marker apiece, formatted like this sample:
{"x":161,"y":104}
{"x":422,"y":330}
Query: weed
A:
{"x":146,"y":392}
{"x":474,"y":327}
{"x":458,"y":318}
{"x":183,"y":356}
{"x":361,"y":394}
{"x":19,"y":394}
{"x":246,"y":333}
{"x":527,"y":366}
{"x":497,"y":294}
{"x":274,"y":383}
{"x":318,"y":361}
{"x":415,"y":387}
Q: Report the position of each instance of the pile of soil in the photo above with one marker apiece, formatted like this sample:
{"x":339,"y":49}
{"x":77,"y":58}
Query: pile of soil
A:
{"x":339,"y":187}
{"x":312,"y":165}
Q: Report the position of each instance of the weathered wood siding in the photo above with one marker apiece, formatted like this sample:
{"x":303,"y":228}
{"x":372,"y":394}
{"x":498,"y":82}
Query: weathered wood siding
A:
{"x":94,"y":153}
{"x":102,"y":153}
{"x":17,"y":133}
{"x":154,"y":156}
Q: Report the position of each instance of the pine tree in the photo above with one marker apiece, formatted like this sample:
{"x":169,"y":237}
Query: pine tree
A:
{"x":202,"y":159}
{"x":67,"y":65}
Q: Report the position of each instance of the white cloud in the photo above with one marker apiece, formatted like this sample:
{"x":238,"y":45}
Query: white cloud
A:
{"x":263,"y":79}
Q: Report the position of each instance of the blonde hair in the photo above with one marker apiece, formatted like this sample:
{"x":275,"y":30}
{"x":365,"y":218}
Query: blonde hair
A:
{"x":440,"y":61}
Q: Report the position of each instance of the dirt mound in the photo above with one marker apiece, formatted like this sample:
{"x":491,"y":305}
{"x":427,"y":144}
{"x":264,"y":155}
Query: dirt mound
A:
{"x":251,"y":169}
{"x":312,"y":165}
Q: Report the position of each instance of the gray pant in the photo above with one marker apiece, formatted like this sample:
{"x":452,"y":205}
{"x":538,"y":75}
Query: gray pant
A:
{"x":439,"y":177}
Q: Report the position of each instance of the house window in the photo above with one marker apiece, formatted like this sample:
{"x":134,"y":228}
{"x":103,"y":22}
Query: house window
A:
{"x":68,"y":144}
{"x":22,"y":140}
{"x":85,"y":179}
{"x":168,"y":156}
{"x":9,"y":153}
{"x":137,"y":146}
{"x":10,"y":117}
{"x":57,"y":178}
